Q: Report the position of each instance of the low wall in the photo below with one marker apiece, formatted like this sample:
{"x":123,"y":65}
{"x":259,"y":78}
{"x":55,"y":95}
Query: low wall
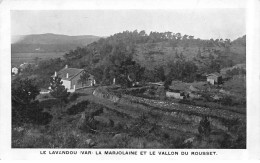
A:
{"x":187,"y":112}
{"x":105,"y":95}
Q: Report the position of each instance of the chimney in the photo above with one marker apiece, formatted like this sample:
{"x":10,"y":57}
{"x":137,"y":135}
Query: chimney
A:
{"x":55,"y":74}
{"x":66,"y":66}
{"x":114,"y":81}
{"x":67,"y":75}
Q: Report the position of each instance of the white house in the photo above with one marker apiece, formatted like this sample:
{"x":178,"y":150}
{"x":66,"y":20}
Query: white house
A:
{"x":70,"y":78}
{"x":175,"y":94}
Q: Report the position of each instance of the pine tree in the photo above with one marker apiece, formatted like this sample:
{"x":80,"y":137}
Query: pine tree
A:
{"x":58,"y":90}
{"x":84,"y":78}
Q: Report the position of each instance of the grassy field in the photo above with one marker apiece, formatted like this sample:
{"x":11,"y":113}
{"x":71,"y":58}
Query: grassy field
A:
{"x":19,"y":58}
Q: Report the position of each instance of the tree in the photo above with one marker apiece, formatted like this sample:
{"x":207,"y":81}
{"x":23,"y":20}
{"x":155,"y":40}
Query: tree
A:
{"x":204,"y":126}
{"x":58,"y":90}
{"x":24,"y":91}
{"x":214,"y":66}
{"x":185,"y":37}
{"x":84,"y":77}
{"x":24,"y":106}
{"x":179,"y":36}
{"x":199,"y":53}
{"x":142,"y":33}
{"x":182,"y":70}
{"x":98,"y":73}
{"x":128,"y":72}
{"x":155,"y":75}
{"x":191,"y":37}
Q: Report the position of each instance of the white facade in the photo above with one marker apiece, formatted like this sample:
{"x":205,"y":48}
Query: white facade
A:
{"x":174,"y":95}
{"x":211,"y":81}
{"x":67,"y":85}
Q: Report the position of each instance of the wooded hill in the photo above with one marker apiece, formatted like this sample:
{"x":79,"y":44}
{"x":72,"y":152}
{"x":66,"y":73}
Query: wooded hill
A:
{"x":151,"y":56}
{"x":160,"y":49}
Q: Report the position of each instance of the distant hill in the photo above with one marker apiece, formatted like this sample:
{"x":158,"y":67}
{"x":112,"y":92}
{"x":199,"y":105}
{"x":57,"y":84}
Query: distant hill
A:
{"x":160,"y":49}
{"x":49,"y":42}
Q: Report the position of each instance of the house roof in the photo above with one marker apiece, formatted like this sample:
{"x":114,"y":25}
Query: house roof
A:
{"x":174,"y":91}
{"x":215,"y":74}
{"x":71,"y":71}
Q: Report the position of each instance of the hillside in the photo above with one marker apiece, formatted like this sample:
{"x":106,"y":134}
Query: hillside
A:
{"x":49,"y":42}
{"x":150,"y":91}
{"x":159,"y":50}
{"x":154,"y":52}
{"x":161,"y":53}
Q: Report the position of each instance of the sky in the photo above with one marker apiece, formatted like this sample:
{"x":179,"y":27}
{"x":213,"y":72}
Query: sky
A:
{"x":201,"y":23}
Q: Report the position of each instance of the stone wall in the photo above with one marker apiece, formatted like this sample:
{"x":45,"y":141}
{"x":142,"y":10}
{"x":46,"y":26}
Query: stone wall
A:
{"x":176,"y":110}
{"x":105,"y":95}
{"x":189,"y":112}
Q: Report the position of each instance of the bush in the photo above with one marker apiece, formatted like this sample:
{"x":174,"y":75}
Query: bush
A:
{"x":75,"y":109}
{"x":49,"y":103}
{"x":227,"y":100}
{"x":73,"y":96}
{"x":32,"y":113}
{"x":204,"y":127}
{"x":70,"y":142}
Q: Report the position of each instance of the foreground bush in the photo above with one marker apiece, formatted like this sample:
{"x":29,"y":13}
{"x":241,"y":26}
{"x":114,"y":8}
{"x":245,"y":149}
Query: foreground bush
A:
{"x":77,"y":108}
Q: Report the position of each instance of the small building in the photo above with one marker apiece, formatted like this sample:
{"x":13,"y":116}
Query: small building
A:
{"x":175,"y":94}
{"x":194,"y":95}
{"x":71,"y":78}
{"x":214,"y":78}
{"x":15,"y":70}
{"x":44,"y":91}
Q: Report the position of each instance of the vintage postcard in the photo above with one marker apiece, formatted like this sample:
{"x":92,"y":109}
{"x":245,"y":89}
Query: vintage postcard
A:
{"x":129,"y":79}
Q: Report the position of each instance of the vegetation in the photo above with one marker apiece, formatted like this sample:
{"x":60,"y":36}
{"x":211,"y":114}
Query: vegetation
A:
{"x":84,"y":77}
{"x":58,"y":90}
{"x":25,"y":109}
{"x":125,"y":52}
{"x":132,"y":59}
{"x":24,"y":91}
{"x":182,"y":70}
{"x":204,"y":127}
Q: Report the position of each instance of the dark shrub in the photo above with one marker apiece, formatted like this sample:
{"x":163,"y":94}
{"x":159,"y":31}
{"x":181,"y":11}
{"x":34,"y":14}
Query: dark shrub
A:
{"x":71,"y":142}
{"x":166,"y":136}
{"x":43,"y":118}
{"x":227,"y":100}
{"x":73,"y":96}
{"x":77,"y":108}
{"x":32,"y":113}
{"x":48,"y":103}
{"x":111,"y":123}
{"x":204,"y":127}
{"x":119,"y":127}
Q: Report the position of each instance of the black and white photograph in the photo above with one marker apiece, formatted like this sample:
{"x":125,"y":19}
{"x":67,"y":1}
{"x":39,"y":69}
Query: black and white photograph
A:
{"x":129,"y":78}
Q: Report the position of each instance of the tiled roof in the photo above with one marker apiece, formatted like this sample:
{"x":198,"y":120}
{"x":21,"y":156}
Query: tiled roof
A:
{"x":215,"y":74}
{"x":71,"y":71}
